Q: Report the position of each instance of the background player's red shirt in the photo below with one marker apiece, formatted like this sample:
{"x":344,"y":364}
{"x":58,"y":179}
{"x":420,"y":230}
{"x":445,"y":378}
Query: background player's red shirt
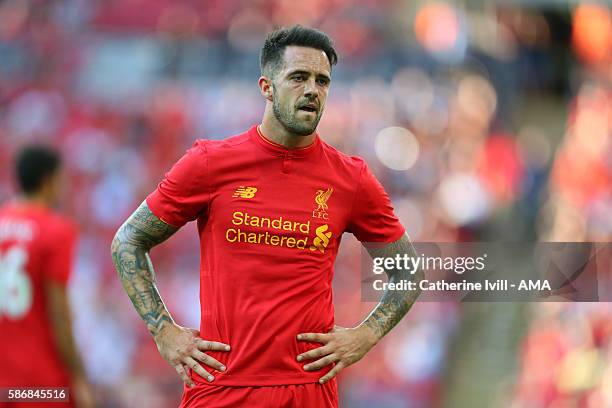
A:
{"x":36,"y":247}
{"x":270,"y":222}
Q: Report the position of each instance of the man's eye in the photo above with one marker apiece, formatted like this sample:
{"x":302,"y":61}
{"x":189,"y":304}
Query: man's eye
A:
{"x":322,"y":82}
{"x":298,"y":78}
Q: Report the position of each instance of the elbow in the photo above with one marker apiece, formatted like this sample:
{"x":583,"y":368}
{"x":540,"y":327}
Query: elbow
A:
{"x":118,"y":245}
{"x":119,"y":254}
{"x":125,"y":244}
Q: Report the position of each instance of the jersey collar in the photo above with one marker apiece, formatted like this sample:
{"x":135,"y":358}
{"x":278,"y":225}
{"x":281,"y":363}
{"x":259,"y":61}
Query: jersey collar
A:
{"x":280,"y":150}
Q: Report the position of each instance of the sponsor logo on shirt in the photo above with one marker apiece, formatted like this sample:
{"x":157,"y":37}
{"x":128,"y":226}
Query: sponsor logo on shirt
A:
{"x":277,"y":231}
{"x":321,"y":202}
{"x":245,"y":192}
{"x":321,"y":241}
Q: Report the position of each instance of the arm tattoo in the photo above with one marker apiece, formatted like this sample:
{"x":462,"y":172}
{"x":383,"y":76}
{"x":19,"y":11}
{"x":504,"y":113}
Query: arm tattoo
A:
{"x":130,"y":251}
{"x":394,"y":304}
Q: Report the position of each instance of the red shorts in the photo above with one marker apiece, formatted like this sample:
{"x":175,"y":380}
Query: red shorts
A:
{"x":311,"y":395}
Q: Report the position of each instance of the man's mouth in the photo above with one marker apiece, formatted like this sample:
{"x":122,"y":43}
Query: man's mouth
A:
{"x":308,"y":108}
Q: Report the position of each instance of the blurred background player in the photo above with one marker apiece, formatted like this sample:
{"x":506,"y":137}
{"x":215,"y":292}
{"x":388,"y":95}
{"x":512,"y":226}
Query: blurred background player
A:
{"x":36,"y":253}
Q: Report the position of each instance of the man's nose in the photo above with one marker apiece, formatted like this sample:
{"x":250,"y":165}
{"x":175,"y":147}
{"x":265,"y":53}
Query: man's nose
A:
{"x":310,"y":88}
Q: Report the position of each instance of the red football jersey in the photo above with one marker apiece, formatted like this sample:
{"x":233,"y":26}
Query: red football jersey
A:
{"x":36,"y":247}
{"x":270,"y":222}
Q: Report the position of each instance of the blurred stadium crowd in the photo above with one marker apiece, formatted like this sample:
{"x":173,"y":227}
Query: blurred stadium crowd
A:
{"x":486,"y":122}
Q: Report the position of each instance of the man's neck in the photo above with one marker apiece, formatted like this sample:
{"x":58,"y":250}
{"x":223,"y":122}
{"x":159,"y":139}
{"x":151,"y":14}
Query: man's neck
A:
{"x":36,"y":200}
{"x":274,"y":131}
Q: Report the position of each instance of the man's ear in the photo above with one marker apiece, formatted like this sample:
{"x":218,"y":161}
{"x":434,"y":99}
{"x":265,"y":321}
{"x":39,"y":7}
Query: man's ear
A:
{"x":265,"y":86}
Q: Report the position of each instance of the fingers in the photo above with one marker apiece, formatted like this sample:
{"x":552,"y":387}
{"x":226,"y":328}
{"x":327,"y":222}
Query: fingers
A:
{"x":325,"y":361}
{"x":205,"y":345}
{"x":314,"y":337}
{"x":193,"y":364}
{"x":183,"y":374}
{"x":315,"y":353}
{"x":197,"y":367}
{"x":208,"y":360}
{"x":332,"y":373}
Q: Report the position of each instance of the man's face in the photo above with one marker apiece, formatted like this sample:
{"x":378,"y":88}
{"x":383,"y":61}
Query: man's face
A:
{"x":300,"y":89}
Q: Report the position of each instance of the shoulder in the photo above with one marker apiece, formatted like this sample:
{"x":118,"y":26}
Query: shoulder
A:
{"x":203,"y":154}
{"x":353,"y":166}
{"x":222,"y":146}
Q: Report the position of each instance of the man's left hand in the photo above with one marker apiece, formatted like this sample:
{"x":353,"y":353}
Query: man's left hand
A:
{"x":341,"y":346}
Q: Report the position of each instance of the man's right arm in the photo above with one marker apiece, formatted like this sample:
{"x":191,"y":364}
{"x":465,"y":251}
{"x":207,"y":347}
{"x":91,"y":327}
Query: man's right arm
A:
{"x":181,"y":347}
{"x":130,"y":250}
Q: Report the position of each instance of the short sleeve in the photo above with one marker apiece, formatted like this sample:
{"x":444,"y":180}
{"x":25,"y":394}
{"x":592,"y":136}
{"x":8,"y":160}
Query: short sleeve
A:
{"x":372,"y":218}
{"x":182,"y":195}
{"x":60,"y":252}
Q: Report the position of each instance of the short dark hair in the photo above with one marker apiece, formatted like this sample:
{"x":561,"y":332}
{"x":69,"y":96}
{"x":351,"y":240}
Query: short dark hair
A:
{"x":34,"y":164}
{"x":271,"y":56}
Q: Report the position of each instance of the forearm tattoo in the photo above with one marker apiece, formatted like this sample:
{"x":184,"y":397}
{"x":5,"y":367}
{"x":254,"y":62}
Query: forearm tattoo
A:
{"x":395,"y":303}
{"x":130,"y":251}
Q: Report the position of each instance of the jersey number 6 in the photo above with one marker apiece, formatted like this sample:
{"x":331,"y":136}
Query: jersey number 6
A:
{"x":15,"y":285}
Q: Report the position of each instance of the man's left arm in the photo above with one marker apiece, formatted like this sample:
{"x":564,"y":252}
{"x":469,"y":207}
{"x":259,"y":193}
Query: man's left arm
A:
{"x":346,"y":346}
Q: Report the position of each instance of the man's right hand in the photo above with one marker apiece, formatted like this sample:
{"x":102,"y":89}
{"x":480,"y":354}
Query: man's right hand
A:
{"x":183,"y":348}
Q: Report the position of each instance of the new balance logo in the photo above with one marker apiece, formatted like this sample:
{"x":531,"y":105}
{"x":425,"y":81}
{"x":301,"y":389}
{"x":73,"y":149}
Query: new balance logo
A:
{"x":245,"y":192}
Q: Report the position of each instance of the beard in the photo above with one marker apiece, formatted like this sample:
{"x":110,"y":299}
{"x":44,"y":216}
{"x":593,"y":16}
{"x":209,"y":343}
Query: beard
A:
{"x":287,"y":116}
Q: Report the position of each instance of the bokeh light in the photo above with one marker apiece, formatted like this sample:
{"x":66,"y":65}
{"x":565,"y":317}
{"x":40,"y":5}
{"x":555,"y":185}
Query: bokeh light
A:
{"x":463,"y":199}
{"x":436,"y":27}
{"x":592,"y":32}
{"x":439,"y":29}
{"x":397,"y":148}
{"x":477,"y":98}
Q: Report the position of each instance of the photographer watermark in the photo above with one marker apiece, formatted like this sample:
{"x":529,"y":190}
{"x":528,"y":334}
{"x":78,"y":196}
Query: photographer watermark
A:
{"x":494,"y":272}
